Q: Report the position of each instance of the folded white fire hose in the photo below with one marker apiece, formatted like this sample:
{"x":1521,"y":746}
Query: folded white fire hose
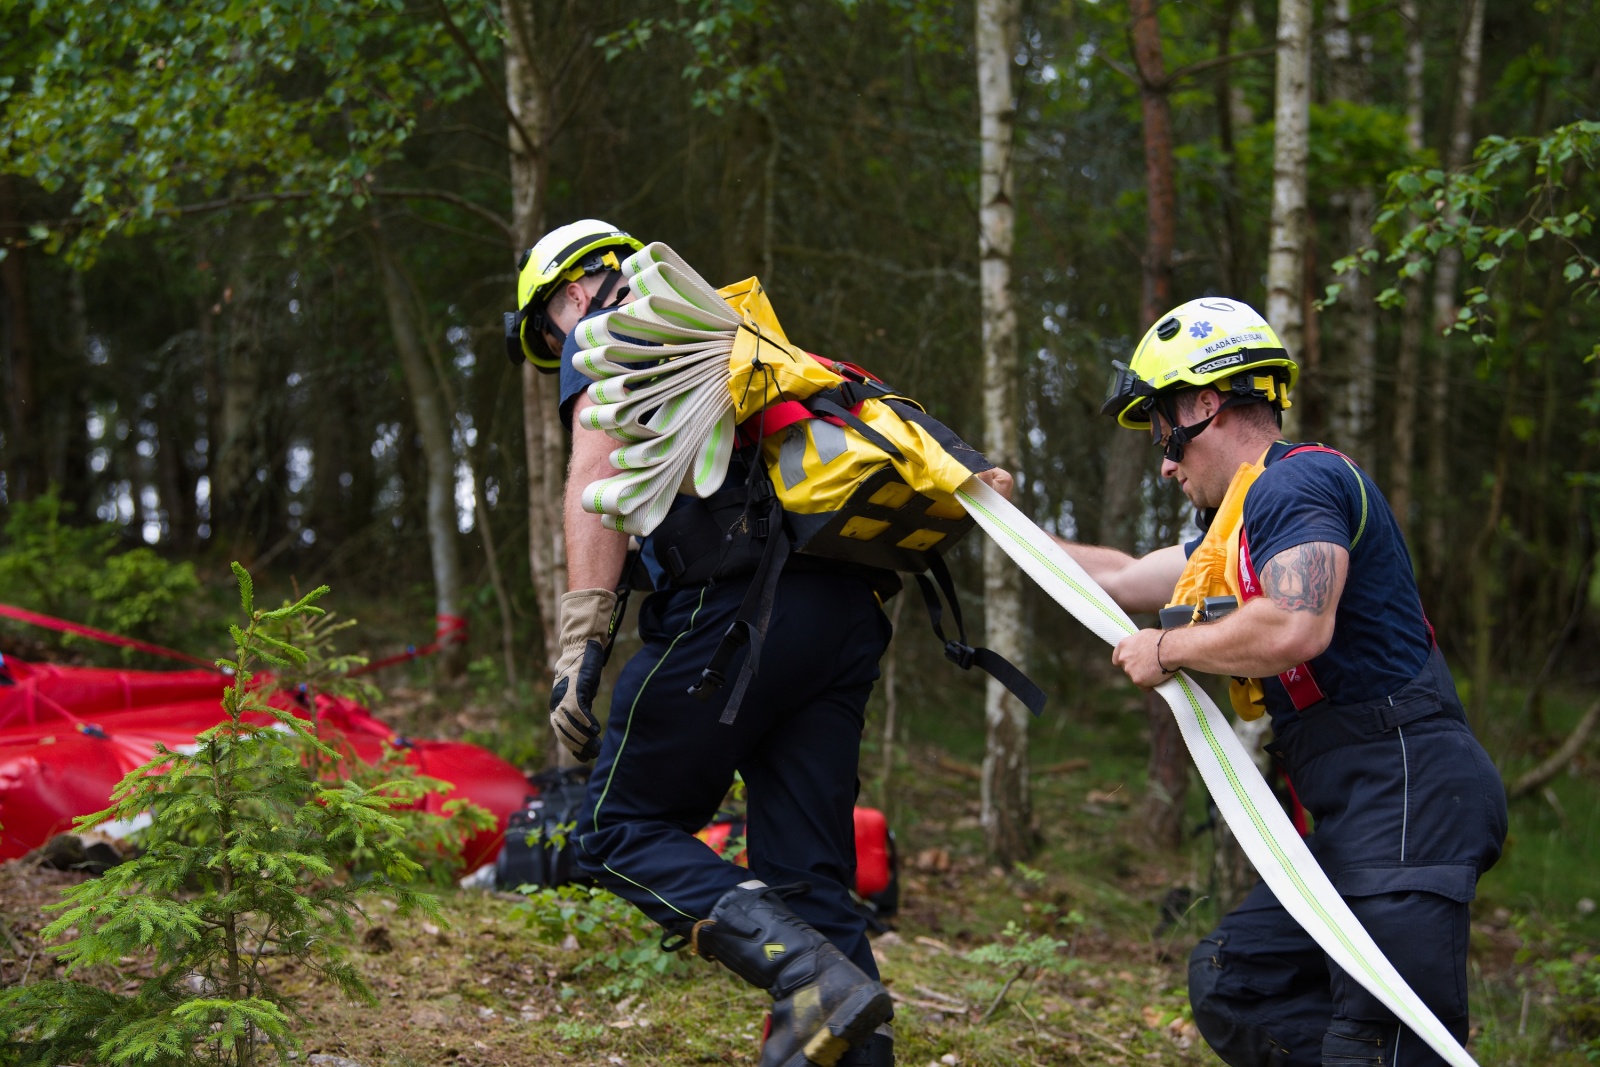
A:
{"x":663,"y":386}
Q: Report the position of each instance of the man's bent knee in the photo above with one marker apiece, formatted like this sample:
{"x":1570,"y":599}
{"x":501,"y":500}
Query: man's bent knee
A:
{"x":1237,"y":1040}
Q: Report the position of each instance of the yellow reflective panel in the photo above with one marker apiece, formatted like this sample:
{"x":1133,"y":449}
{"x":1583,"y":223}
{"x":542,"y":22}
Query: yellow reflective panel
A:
{"x":893,"y":495}
{"x":921,"y":540}
{"x":862,"y":528}
{"x":945,"y":507}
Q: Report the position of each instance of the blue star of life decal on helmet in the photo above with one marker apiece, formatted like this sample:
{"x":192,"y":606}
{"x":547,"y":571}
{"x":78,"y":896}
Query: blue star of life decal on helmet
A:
{"x":1200,"y":329}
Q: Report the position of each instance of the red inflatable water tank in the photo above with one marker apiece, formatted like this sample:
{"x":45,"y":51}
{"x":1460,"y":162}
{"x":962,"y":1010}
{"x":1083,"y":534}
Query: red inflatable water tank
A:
{"x":68,"y":735}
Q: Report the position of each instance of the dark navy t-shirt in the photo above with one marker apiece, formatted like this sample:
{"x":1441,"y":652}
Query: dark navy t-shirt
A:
{"x":1380,"y":638}
{"x":573,"y":381}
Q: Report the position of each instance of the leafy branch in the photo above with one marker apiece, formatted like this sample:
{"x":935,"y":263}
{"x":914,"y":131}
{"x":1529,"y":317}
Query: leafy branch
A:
{"x":1460,"y":211}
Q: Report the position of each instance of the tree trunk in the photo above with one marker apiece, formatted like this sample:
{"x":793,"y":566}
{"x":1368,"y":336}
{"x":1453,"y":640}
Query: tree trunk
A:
{"x":23,"y":462}
{"x":433,"y":426}
{"x":891,"y":703}
{"x":1350,"y":407}
{"x":1126,"y":457}
{"x":1408,"y":362}
{"x":1292,"y":127}
{"x":175,"y":478}
{"x":1006,"y":809}
{"x":236,"y":441}
{"x":1161,"y":201}
{"x":528,"y":99}
{"x":1446,"y":276}
{"x":1229,"y":270}
{"x":1168,"y":778}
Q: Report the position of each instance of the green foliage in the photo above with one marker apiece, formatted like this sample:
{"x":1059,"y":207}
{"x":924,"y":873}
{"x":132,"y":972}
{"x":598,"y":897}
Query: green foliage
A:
{"x":1017,"y":951}
{"x":732,"y":59}
{"x":616,"y":939}
{"x":1354,"y":145}
{"x":281,"y":101}
{"x":1576,"y":980}
{"x":243,"y":871}
{"x":1521,"y":193}
{"x":83,"y":572}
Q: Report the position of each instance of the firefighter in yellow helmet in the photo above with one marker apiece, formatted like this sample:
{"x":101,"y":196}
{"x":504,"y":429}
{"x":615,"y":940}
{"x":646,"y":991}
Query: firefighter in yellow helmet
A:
{"x":1300,"y":589}
{"x":664,"y":761}
{"x":572,"y":265}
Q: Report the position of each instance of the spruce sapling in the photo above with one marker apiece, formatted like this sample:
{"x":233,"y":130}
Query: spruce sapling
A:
{"x":242,"y":872}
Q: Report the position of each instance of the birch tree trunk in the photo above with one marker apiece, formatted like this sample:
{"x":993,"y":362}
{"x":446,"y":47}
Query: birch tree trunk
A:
{"x":433,"y":426}
{"x":1168,"y":772}
{"x":1292,"y":128}
{"x":1357,"y":337}
{"x":1446,"y":277}
{"x":1408,"y":362}
{"x":1229,"y":269}
{"x":528,"y":122}
{"x":1006,"y":809}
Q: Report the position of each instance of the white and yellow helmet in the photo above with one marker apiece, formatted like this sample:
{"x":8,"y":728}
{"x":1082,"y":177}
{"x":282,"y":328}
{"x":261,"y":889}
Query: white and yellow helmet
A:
{"x":1215,"y":341}
{"x":564,"y":254}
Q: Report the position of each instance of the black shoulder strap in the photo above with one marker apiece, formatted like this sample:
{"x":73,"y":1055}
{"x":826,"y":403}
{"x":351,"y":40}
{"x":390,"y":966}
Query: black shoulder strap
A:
{"x":964,"y":655}
{"x":749,"y":626}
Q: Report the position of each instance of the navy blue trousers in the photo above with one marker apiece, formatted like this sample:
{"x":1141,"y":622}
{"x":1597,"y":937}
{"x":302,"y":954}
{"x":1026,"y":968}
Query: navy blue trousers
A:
{"x":666,"y":762}
{"x":1265,"y":994}
{"x":1409,"y":811}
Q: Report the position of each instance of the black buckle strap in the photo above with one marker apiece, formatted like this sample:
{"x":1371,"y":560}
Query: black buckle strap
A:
{"x":838,"y":401}
{"x":964,"y":655}
{"x":749,"y":626}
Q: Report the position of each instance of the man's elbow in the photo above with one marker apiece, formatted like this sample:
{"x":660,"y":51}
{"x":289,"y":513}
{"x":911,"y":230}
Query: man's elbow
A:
{"x":1304,"y":642}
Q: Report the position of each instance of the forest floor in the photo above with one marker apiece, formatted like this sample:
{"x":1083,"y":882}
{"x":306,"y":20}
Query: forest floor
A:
{"x":504,"y":982}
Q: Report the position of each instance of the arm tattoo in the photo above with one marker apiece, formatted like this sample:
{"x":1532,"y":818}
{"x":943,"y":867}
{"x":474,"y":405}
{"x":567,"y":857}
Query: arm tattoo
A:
{"x":1301,"y":578}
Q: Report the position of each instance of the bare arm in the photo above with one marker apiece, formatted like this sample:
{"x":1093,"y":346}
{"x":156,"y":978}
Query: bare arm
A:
{"x":594,"y":553}
{"x":1142,"y":583}
{"x":1290,"y":623}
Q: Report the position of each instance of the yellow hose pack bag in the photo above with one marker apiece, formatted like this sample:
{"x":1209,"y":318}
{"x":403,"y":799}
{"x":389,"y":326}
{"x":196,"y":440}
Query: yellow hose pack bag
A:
{"x":828,"y":462}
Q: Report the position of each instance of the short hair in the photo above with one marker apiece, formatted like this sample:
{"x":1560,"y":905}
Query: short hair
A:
{"x":1257,"y":414}
{"x":559,"y":300}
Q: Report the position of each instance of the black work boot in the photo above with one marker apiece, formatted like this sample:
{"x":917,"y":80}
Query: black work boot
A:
{"x":822,"y":1003}
{"x":877,"y":1052}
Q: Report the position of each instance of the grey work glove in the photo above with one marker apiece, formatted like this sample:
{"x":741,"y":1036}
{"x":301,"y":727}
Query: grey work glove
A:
{"x":585,"y":619}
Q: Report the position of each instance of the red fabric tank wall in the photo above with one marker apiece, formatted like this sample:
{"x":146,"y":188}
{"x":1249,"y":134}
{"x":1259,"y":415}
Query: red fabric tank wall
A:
{"x":68,"y":735}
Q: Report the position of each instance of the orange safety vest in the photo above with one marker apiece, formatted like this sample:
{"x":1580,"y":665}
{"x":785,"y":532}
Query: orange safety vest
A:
{"x":1220,"y":566}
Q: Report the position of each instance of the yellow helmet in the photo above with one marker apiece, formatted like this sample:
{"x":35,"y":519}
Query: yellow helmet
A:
{"x":564,"y":254}
{"x":1212,"y":341}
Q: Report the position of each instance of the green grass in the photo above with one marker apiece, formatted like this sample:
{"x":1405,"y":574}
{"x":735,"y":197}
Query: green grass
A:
{"x":492,"y":989}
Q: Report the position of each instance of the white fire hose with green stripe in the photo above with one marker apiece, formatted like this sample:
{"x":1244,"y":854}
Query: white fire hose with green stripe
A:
{"x":684,"y":364}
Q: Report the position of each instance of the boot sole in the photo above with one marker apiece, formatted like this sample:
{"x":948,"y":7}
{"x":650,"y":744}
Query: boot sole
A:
{"x":851,"y":1023}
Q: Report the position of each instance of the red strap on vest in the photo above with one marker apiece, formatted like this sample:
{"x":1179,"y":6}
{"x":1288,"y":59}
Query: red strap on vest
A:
{"x":1297,"y":449}
{"x":1298,"y":680}
{"x":785,"y":413}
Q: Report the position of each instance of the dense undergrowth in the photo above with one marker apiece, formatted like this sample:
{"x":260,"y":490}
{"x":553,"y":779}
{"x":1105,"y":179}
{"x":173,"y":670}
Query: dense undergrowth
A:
{"x":1068,"y":959}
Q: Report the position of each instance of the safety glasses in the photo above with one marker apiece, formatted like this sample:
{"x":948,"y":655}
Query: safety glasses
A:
{"x":1168,"y":439}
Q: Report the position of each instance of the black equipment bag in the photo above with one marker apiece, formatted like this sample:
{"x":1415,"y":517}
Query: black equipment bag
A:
{"x":538,"y":852}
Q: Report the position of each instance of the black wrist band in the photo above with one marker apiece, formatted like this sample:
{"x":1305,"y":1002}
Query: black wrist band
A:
{"x":1163,"y":666}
